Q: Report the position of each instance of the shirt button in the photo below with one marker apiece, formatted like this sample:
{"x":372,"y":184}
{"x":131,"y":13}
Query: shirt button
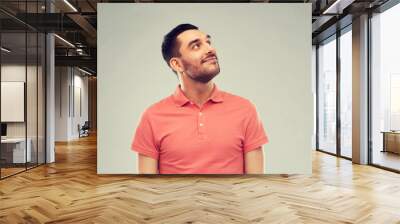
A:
{"x":201,"y":124}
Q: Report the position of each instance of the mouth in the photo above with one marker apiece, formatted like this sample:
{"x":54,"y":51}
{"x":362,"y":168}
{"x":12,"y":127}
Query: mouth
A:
{"x":210,"y":59}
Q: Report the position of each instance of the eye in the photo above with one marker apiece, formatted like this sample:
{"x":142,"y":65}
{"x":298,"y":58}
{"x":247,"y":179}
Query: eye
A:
{"x":196,"y":46}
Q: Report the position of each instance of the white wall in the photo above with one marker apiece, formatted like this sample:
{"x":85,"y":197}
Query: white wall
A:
{"x":62,"y":80}
{"x":16,"y":72}
{"x":80,"y":110}
{"x":314,"y":92}
{"x":69,"y":84}
{"x":265,"y":55}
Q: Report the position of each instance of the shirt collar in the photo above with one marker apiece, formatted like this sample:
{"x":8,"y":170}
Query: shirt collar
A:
{"x":180,"y":98}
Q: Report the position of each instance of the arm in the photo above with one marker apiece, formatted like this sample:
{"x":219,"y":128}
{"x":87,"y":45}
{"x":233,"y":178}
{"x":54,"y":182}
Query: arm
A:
{"x":145,"y":145}
{"x":254,"y":161}
{"x":147,"y":165}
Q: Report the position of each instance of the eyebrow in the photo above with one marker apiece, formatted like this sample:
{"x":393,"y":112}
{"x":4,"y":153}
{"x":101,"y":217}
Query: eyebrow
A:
{"x":197,"y":40}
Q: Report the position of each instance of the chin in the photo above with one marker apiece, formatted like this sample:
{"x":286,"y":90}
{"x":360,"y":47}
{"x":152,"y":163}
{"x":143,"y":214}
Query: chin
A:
{"x":206,"y":77}
{"x":213,"y":71}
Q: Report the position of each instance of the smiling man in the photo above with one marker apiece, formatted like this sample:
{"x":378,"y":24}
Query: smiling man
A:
{"x":199,"y":129}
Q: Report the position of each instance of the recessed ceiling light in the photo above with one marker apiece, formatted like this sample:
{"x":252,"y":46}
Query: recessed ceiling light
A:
{"x":84,"y":71}
{"x":64,"y":40}
{"x":335,"y":7}
{"x":70,"y":5}
{"x":5,"y":49}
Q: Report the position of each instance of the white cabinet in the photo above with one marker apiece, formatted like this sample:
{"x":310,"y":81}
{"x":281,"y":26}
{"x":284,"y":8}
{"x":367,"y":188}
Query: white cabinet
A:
{"x":18,"y":149}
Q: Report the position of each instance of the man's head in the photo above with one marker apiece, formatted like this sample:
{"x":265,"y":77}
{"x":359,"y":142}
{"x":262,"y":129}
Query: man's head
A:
{"x":188,"y":51}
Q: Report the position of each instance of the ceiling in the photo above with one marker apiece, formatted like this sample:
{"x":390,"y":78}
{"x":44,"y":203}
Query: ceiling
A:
{"x":76,"y":22}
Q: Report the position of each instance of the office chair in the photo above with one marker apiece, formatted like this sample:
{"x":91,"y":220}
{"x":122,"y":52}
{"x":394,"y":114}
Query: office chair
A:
{"x":84,"y":130}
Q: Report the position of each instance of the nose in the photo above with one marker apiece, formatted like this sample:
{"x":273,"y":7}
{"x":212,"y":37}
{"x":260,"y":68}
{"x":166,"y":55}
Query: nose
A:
{"x":211,"y":49}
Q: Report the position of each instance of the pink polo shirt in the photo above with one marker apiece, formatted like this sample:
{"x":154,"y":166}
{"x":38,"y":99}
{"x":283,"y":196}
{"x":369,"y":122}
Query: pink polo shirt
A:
{"x":187,"y":139}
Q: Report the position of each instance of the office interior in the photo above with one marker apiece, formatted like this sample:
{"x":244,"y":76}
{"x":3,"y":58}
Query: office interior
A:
{"x":48,"y":87}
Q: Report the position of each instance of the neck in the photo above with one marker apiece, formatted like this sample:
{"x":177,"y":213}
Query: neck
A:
{"x":196,"y":92}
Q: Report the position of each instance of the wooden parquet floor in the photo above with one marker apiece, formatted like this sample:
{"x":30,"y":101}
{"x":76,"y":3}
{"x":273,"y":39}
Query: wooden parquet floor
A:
{"x":70,"y":191}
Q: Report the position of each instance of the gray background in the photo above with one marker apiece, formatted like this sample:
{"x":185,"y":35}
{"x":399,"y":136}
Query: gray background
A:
{"x":264,"y":52}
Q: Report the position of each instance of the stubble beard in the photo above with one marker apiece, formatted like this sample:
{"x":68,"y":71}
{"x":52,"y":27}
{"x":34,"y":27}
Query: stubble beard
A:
{"x":203,"y":76}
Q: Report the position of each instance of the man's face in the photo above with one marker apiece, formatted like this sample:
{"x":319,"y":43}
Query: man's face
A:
{"x":198,"y":58}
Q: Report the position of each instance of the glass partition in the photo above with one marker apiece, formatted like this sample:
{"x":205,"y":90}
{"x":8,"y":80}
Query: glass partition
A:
{"x":32,"y":95}
{"x":13,"y":95}
{"x":22,"y":77}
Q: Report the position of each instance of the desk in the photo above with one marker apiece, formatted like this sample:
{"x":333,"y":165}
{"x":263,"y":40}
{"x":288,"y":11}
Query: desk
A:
{"x":17,"y":150}
{"x":391,"y":141}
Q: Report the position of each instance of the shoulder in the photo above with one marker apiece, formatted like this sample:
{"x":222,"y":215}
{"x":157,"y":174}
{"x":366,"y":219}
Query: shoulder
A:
{"x":160,"y":106}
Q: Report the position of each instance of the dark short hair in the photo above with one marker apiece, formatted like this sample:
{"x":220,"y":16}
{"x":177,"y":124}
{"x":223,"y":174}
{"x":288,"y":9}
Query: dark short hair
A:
{"x":169,"y":46}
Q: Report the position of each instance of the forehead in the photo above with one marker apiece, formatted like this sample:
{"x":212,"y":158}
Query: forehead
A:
{"x":189,"y":35}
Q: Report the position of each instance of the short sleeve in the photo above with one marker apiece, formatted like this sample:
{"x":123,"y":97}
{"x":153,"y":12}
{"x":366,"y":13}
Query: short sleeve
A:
{"x":143,"y":141}
{"x":255,"y":134}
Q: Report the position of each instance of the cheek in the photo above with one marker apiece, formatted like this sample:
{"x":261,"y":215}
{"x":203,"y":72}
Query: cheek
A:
{"x":195,"y":55}
{"x":193,"y":61}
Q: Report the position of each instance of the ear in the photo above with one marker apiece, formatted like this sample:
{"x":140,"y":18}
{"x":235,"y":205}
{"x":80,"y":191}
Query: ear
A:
{"x":176,"y":65}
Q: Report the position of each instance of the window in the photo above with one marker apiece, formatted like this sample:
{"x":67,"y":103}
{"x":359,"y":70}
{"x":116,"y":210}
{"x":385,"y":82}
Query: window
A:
{"x":327,"y":96}
{"x":346,"y":93}
{"x":385,"y":88}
